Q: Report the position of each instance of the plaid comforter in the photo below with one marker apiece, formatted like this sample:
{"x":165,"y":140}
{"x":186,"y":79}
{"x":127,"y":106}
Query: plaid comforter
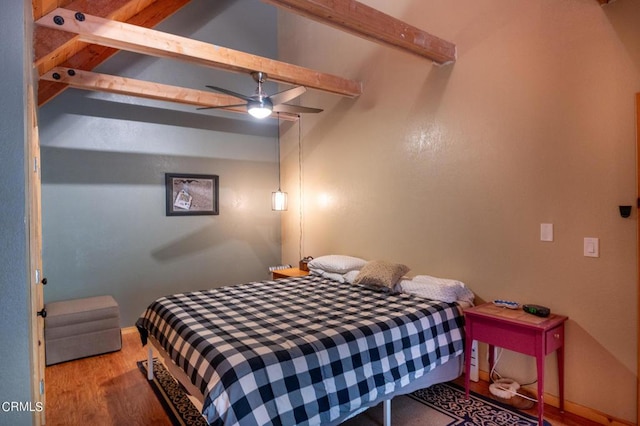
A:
{"x":301,"y":350}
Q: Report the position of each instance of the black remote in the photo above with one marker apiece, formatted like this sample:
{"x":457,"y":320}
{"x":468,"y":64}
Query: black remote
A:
{"x":541,"y":311}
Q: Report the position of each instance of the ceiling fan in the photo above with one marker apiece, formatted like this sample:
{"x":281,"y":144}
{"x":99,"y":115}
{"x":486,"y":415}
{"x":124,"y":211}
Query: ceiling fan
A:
{"x":261,"y":105}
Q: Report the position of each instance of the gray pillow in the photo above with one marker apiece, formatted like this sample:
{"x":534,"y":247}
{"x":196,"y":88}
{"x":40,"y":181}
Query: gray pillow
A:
{"x":381,"y":274}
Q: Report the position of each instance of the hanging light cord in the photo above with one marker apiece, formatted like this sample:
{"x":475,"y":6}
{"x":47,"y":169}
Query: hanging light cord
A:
{"x":301,"y":198}
{"x":278,"y":146}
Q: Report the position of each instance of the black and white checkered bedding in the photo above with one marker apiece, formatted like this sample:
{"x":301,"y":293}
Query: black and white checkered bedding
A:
{"x":302,"y":350}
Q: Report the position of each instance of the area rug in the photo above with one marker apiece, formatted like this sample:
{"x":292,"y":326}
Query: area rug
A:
{"x":445,"y":405}
{"x":172,"y":396}
{"x":449,"y":400}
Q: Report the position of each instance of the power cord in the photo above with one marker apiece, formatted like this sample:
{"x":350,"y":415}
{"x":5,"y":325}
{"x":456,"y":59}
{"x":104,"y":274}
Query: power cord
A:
{"x":507,"y":388}
{"x":503,"y":387}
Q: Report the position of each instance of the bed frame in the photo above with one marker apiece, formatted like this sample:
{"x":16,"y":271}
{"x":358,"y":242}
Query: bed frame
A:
{"x":448,"y":371}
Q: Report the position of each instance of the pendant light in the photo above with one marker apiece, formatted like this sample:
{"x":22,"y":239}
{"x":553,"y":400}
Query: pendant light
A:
{"x":279,"y":198}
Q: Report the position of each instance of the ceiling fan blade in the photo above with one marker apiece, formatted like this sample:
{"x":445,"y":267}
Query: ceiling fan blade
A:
{"x":230,"y":92}
{"x":295,"y":109}
{"x":287,"y":95}
{"x":223,"y":106}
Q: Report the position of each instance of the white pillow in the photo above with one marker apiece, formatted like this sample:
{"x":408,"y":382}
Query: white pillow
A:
{"x":337,"y":263}
{"x":351,"y":276}
{"x":444,"y":282}
{"x":429,"y":291}
{"x":334,"y":276}
{"x":441,"y":289}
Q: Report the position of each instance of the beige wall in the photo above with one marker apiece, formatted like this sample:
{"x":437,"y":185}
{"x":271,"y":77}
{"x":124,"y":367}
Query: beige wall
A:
{"x":451,"y":170}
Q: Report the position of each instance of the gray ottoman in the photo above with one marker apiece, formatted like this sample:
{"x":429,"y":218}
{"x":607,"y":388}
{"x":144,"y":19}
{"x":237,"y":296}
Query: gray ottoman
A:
{"x":81,"y":327}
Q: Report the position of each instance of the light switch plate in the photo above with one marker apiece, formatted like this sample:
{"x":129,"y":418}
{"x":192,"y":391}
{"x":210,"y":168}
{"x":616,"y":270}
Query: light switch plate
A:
{"x":592,"y":247}
{"x":546,"y":232}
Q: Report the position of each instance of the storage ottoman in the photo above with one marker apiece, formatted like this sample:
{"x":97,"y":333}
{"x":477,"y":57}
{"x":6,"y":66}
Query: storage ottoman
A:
{"x":81,"y":327}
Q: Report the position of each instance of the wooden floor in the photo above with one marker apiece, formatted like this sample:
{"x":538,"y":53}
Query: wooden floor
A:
{"x":103,"y":390}
{"x":110,"y":390}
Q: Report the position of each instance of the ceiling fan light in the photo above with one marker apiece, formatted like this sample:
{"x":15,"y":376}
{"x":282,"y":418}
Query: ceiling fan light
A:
{"x":259,"y":108}
{"x":258,"y":112}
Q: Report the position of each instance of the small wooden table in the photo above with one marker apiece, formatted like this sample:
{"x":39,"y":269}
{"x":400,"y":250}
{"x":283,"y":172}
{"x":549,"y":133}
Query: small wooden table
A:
{"x":289,"y":273}
{"x":518,"y":331}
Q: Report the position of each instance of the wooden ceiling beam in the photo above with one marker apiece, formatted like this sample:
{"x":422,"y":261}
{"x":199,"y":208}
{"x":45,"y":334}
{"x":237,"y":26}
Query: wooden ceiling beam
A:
{"x":98,"y":82}
{"x":133,"y":38}
{"x":53,"y":47}
{"x":59,"y":48}
{"x":371,"y":24}
{"x":42,"y":7}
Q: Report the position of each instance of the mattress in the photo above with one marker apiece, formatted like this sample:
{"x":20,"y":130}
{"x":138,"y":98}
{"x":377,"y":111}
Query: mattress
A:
{"x":304,"y":350}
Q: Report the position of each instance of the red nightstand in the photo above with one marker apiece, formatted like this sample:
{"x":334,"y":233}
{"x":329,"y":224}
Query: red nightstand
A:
{"x":518,"y":331}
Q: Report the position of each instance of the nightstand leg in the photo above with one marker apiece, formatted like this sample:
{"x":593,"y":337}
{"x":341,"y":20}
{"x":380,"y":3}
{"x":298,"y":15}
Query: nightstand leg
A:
{"x":560,"y":357}
{"x":492,"y":361}
{"x":540,"y":366}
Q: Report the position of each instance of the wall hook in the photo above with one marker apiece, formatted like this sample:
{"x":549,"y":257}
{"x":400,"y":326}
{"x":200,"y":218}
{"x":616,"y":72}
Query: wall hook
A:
{"x":625,"y":211}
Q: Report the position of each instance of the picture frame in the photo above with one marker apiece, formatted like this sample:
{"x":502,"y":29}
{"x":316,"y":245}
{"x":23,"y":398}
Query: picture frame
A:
{"x":190,"y":194}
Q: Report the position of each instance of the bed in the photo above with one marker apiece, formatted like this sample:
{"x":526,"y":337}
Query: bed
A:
{"x":306,"y":350}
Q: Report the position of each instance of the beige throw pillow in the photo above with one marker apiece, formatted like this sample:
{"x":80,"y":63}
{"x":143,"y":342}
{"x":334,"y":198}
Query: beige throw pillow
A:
{"x":381,"y":274}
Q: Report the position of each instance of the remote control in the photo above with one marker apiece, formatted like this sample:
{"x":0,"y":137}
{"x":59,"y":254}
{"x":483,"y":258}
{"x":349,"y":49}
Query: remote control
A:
{"x":506,"y":304}
{"x":540,"y":311}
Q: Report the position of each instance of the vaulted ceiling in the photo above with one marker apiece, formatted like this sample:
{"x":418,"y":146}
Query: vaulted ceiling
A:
{"x":59,"y":48}
{"x":72,"y":37}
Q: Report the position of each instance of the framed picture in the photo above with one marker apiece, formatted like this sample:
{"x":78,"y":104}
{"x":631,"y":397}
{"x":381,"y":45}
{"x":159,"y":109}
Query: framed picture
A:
{"x":191,"y":195}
